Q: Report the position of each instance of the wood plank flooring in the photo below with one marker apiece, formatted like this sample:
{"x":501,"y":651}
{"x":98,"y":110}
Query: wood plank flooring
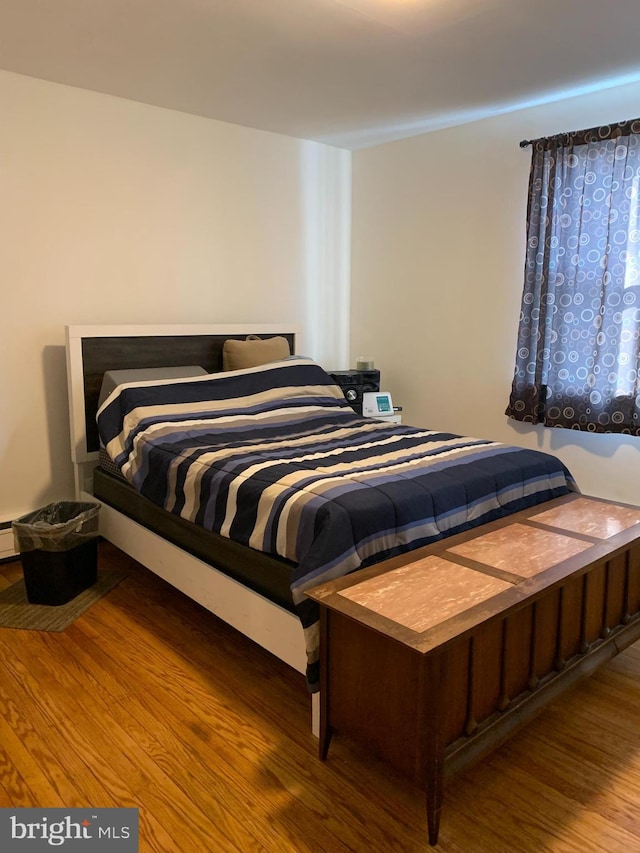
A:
{"x":149,"y":701}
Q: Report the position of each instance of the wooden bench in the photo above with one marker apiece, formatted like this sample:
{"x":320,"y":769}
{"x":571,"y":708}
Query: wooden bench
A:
{"x":432,"y":659}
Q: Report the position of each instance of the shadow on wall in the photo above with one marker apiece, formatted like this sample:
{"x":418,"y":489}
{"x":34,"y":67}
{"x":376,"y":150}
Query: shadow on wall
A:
{"x":604,"y":445}
{"x":54,"y":370}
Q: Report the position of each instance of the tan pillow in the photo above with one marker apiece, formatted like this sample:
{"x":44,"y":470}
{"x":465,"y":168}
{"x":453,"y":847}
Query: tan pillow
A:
{"x":237,"y":355}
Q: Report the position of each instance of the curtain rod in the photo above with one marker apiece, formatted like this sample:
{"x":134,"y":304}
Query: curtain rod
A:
{"x":611,"y":128}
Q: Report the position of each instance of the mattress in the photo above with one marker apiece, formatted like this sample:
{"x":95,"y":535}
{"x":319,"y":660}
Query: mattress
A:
{"x":269,"y":576}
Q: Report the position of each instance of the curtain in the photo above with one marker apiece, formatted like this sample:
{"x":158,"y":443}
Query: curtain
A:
{"x":577,"y":360}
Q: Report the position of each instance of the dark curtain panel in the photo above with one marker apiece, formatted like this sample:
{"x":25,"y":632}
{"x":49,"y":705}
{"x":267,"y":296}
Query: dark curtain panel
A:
{"x":577,"y":361}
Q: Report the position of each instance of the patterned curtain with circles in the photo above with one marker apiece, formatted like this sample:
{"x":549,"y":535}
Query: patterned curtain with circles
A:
{"x":578,"y":354}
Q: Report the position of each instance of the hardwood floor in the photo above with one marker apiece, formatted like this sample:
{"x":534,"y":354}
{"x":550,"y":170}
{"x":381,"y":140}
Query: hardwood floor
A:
{"x":149,"y":701}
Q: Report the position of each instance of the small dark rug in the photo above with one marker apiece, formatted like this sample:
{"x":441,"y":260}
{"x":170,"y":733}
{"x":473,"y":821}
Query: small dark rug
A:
{"x":17,"y":612}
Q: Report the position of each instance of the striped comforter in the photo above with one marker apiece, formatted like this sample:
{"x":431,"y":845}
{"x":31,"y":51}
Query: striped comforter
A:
{"x":274,"y":458}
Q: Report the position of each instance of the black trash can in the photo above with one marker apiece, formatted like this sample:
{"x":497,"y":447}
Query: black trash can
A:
{"x":58,"y":547}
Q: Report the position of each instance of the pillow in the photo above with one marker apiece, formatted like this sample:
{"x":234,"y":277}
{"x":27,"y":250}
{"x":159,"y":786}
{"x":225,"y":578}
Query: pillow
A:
{"x":253,"y":351}
{"x":113,"y":378}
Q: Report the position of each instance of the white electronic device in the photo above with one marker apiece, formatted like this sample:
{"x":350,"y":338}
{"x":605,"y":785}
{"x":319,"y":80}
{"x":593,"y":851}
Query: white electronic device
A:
{"x":377,"y":404}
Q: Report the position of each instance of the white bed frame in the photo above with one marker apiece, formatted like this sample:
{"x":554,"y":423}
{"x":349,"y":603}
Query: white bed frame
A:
{"x":268,"y":624}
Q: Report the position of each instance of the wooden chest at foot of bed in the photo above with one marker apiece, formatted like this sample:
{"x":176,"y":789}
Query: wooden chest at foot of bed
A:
{"x":432,"y":659}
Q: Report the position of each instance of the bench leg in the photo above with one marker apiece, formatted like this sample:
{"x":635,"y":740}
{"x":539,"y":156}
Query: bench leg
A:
{"x":431,"y":720}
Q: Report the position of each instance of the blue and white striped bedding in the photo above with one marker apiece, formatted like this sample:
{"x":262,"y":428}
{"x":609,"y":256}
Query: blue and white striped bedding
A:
{"x":274,"y":458}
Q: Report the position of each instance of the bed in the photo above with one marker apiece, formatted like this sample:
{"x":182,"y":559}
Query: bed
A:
{"x":252,"y":565}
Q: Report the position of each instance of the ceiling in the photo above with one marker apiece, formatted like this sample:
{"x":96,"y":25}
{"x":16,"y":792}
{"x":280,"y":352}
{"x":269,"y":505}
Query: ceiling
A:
{"x":350,"y":73}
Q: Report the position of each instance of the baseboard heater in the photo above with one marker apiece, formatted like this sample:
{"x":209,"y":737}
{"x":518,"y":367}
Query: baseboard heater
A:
{"x":7,"y":551}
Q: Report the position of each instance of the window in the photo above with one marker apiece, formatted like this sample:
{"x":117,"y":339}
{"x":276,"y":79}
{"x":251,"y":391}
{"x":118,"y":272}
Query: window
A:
{"x":578,"y":354}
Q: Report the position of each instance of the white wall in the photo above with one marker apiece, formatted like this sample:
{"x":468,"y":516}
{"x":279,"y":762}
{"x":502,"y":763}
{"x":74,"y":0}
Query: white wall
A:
{"x":437,"y":271}
{"x":117,"y":212}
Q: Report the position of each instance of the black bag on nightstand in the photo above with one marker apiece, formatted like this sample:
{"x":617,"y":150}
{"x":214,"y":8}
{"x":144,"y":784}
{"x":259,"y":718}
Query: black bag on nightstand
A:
{"x":354,"y":383}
